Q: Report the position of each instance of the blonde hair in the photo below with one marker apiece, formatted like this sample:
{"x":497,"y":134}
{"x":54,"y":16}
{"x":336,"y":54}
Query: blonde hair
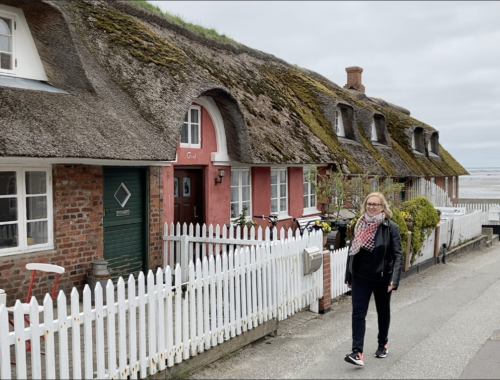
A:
{"x":387,"y":210}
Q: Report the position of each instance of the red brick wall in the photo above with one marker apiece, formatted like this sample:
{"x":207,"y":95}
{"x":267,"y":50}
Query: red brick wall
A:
{"x":155,"y":217}
{"x":326,"y":301}
{"x":78,"y":234}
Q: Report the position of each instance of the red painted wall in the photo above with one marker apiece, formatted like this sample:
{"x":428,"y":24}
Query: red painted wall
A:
{"x":216,"y":197}
{"x":295,"y":191}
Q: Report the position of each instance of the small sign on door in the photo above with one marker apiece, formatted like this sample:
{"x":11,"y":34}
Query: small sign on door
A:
{"x":123,"y":213}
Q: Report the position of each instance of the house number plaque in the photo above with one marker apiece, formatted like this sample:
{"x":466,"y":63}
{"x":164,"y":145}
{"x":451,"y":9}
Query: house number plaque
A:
{"x":123,"y":213}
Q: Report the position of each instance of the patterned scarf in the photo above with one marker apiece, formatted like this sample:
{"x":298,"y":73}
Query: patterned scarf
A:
{"x":365,"y":233}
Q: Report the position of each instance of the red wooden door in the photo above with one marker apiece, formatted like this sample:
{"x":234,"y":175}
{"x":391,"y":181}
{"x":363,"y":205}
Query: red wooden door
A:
{"x":188,"y":196}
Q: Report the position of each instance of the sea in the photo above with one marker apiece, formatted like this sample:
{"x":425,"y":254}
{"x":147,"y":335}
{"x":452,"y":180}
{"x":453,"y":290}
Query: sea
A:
{"x":481,"y":183}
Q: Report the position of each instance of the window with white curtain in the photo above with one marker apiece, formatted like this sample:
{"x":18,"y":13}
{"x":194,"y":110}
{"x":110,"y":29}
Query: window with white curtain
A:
{"x":279,"y":191}
{"x":241,"y":196}
{"x":191,"y":128}
{"x":339,"y":124}
{"x":309,"y":193}
{"x":26,"y":222}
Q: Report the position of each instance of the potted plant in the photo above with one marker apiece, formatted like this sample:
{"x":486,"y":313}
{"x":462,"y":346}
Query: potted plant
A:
{"x":408,"y":218}
{"x":324,"y":227}
{"x":243,"y":222}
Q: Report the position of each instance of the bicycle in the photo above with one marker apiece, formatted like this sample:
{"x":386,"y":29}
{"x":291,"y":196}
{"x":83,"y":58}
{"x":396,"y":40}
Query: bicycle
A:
{"x":307,"y":224}
{"x":273,"y":220}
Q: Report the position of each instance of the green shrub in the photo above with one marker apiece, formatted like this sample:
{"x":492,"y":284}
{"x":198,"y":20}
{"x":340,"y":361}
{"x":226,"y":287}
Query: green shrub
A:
{"x":403,"y":229}
{"x":425,"y":219}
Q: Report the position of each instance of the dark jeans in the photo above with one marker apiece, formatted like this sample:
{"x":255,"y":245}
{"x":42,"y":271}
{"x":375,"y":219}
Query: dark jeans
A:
{"x":361,"y":292}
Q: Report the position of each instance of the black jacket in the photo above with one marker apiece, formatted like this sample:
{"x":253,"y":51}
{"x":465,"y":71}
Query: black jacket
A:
{"x":387,"y":255}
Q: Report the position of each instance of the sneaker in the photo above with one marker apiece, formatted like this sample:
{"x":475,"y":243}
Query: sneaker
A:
{"x":355,"y":358}
{"x":382,"y":351}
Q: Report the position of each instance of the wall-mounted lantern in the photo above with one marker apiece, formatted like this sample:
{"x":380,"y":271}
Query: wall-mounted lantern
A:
{"x":221,"y":175}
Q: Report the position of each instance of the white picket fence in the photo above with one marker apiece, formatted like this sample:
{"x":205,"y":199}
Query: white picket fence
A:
{"x":436,"y":195}
{"x":338,"y":262}
{"x":453,"y":232}
{"x":184,"y":243}
{"x":159,"y":324}
{"x":490,"y":212}
{"x":427,"y":250}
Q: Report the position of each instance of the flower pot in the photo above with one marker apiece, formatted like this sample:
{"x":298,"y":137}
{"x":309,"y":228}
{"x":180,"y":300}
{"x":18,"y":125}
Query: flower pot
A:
{"x":409,"y":224}
{"x":325,"y":236}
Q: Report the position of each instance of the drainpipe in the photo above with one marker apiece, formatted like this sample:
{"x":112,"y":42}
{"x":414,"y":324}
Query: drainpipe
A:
{"x":444,"y":253}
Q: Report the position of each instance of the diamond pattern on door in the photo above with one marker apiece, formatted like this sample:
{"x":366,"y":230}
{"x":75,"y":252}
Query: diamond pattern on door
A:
{"x":122,"y":195}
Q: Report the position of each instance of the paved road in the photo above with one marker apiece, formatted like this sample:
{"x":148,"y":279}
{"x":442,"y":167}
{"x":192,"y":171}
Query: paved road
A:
{"x":445,"y":324}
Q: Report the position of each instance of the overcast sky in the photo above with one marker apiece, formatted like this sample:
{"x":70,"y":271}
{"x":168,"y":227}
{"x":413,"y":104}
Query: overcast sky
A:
{"x":440,"y":60}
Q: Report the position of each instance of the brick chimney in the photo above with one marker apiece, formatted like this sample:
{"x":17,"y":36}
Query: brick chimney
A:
{"x":354,"y":79}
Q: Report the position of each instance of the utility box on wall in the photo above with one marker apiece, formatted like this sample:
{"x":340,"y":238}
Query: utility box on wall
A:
{"x":313,"y":258}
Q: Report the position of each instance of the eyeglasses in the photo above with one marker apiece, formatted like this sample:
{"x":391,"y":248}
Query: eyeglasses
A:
{"x":373,"y":204}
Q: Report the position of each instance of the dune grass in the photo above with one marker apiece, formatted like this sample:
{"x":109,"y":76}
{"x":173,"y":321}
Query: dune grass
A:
{"x":207,"y":32}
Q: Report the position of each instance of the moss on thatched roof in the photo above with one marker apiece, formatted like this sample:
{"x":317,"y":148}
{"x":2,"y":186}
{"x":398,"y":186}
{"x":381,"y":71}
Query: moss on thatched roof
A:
{"x":273,"y":112}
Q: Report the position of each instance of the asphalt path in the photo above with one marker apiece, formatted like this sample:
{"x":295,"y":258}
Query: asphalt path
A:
{"x":444,"y":323}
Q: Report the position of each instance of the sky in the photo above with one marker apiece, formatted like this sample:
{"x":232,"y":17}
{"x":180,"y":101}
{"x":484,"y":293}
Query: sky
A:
{"x":438,"y":59}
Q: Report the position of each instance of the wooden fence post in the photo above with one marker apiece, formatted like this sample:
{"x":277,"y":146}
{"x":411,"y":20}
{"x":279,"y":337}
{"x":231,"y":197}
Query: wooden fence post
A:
{"x":406,"y":264}
{"x":436,"y":240}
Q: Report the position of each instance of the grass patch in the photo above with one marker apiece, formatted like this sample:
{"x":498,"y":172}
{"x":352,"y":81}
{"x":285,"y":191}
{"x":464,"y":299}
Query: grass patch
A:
{"x":177,"y":19}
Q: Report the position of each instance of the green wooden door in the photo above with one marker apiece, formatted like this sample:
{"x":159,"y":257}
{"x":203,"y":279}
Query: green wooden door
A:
{"x":125,"y":220}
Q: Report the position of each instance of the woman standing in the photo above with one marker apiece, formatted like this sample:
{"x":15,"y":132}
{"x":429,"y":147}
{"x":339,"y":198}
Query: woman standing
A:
{"x":374,"y":266}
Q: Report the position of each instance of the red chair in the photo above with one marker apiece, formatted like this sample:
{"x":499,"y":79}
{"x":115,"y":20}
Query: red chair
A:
{"x":37,"y":267}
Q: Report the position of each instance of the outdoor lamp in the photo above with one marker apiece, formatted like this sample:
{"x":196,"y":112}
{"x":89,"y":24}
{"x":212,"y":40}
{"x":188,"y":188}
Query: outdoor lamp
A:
{"x":221,"y":174}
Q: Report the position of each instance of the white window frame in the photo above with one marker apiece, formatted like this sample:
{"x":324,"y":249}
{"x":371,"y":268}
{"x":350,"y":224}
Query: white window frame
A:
{"x":189,"y":144}
{"x":13,"y":17}
{"x":339,"y":123}
{"x":454,"y":179}
{"x":308,"y":190}
{"x":22,"y":221}
{"x":279,"y":196}
{"x":446,"y":186}
{"x":239,"y":172}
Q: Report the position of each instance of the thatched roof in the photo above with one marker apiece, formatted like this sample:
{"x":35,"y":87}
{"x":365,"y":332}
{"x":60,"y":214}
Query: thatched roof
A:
{"x":131,"y":76}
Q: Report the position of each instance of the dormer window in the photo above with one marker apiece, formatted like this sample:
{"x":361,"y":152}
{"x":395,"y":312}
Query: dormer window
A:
{"x":343,"y":123}
{"x":417,"y":140}
{"x":6,"y":44}
{"x":339,"y":124}
{"x":433,"y":146}
{"x":378,"y":132}
{"x":19,"y":56}
{"x":191,"y":128}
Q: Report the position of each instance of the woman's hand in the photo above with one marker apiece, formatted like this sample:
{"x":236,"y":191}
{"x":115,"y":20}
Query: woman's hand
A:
{"x":390,"y":288}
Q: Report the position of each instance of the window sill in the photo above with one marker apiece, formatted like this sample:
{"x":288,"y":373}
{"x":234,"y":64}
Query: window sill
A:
{"x":284,"y":217}
{"x":310,"y":211}
{"x":379,"y":144}
{"x":30,"y":252}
